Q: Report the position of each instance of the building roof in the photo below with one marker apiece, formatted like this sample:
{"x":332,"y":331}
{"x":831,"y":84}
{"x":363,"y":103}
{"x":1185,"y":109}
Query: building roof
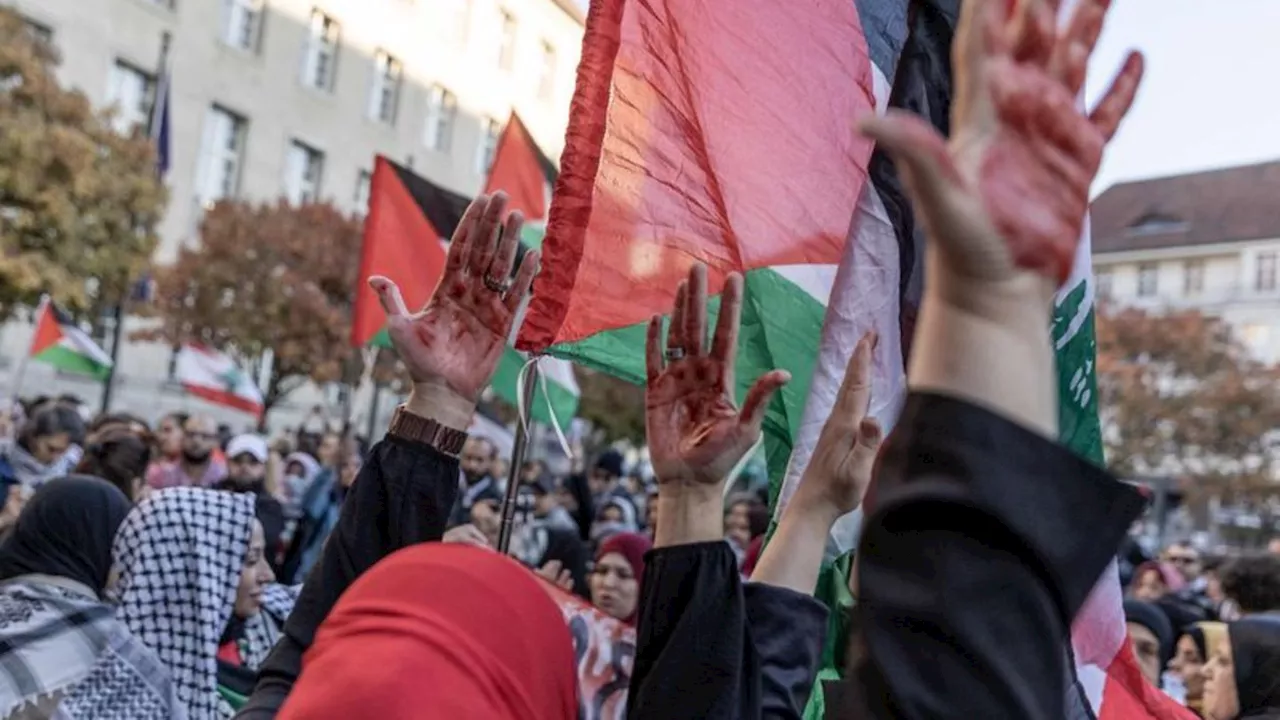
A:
{"x":573,"y":10}
{"x":1217,"y":206}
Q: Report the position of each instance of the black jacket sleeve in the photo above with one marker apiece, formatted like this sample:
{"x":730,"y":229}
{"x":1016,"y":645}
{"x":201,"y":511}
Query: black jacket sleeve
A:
{"x":401,"y":497}
{"x":982,"y":542}
{"x":708,"y":646}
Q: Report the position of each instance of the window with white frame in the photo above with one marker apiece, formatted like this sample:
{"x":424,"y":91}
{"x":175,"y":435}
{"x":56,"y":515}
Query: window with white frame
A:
{"x":1193,"y":277}
{"x":507,"y":41}
{"x":364,"y":184}
{"x":384,"y":92}
{"x":1266,"y":279}
{"x":1102,"y":280}
{"x":488,"y":145}
{"x":221,"y":154}
{"x":1148,"y":279}
{"x":442,"y":108}
{"x":303,"y":170}
{"x":131,"y":90}
{"x":547,"y":79}
{"x":242,"y":23}
{"x":320,"y":60}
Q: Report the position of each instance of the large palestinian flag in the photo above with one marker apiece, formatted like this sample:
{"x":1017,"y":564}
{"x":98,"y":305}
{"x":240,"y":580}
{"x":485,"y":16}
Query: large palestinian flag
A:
{"x":680,"y":149}
{"x":58,"y":342}
{"x":407,"y":229}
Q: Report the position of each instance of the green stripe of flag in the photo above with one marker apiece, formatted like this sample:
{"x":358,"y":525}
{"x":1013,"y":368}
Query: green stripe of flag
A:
{"x":68,"y":360}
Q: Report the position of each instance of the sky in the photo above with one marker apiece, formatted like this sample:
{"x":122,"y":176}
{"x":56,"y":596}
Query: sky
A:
{"x":1211,"y":94}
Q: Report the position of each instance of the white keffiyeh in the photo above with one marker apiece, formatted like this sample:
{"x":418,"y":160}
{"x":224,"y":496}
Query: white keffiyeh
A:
{"x":179,"y":555}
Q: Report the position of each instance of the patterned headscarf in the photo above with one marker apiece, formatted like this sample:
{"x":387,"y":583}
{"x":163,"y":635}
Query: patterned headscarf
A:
{"x":180,"y":554}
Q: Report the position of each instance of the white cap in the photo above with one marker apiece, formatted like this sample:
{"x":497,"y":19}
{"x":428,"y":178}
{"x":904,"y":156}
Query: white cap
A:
{"x":254,"y":445}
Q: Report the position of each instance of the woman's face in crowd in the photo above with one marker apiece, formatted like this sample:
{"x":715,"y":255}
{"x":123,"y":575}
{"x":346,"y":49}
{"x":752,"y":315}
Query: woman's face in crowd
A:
{"x":1188,"y":664}
{"x":737,"y":526}
{"x":255,"y":576}
{"x":613,"y":586}
{"x":1220,"y":699}
{"x":350,"y":469}
{"x":169,"y":437}
{"x":46,"y":449}
{"x":1146,"y":648}
{"x":327,"y":453}
{"x":1149,"y":586}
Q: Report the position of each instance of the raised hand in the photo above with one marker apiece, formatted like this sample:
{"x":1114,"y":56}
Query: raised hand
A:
{"x":840,"y":470}
{"x":1010,"y":190}
{"x":696,"y":433}
{"x":454,"y":343}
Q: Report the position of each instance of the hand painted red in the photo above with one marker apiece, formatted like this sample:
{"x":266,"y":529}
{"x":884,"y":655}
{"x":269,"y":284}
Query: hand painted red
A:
{"x":457,"y":339}
{"x":694,"y":430}
{"x":1011,"y":188}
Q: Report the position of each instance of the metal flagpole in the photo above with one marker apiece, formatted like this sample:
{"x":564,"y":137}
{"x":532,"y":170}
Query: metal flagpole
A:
{"x":154,"y":127}
{"x":528,"y":379}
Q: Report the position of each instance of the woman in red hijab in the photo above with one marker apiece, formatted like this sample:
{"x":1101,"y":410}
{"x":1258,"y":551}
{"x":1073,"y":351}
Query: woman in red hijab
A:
{"x":474,"y":626}
{"x":618,"y":572}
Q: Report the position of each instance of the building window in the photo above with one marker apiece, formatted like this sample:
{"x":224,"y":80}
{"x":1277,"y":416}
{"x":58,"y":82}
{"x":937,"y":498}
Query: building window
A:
{"x":242,"y":23}
{"x":364,"y":183}
{"x":1266,"y":271}
{"x":221,"y":151}
{"x":507,"y":41}
{"x":1148,"y":279}
{"x":1103,"y":282}
{"x":303,"y":170}
{"x":131,"y":91}
{"x":489,"y":131}
{"x":384,"y":92}
{"x":1193,"y":277}
{"x":321,"y":59}
{"x":442,"y":108}
{"x":547,"y":82}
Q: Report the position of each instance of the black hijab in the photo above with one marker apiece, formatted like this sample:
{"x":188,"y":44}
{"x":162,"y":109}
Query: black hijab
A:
{"x":1255,"y":650}
{"x":66,"y":530}
{"x":1152,"y":617}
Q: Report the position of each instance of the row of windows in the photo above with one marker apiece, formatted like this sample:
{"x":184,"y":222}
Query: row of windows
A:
{"x":222,"y":149}
{"x":1265,"y":277}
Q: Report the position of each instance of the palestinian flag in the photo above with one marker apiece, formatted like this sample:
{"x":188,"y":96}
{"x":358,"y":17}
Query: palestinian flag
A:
{"x":407,"y":228}
{"x":60,"y":343}
{"x":213,"y":376}
{"x":708,"y":159}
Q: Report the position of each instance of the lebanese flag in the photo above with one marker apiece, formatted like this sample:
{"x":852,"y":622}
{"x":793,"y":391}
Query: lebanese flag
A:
{"x":58,"y":342}
{"x":215,"y":377}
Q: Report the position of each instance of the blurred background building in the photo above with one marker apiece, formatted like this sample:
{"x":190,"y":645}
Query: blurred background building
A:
{"x":294,"y":98}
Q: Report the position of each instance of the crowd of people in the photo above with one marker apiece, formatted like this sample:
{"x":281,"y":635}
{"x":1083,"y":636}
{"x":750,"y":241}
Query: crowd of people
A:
{"x":180,"y":571}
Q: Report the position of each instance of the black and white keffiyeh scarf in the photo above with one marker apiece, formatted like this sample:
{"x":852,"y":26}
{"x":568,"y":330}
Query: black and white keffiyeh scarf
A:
{"x":179,"y":556}
{"x":262,"y":631}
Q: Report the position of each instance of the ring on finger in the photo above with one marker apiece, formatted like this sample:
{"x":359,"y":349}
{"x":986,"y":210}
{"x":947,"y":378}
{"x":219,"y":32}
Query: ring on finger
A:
{"x":499,"y":287}
{"x":675,"y":353}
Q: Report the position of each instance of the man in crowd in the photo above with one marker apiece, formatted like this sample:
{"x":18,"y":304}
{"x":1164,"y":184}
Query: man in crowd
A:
{"x":477,"y":485}
{"x":197,"y":467}
{"x":606,"y":481}
{"x":246,"y":473}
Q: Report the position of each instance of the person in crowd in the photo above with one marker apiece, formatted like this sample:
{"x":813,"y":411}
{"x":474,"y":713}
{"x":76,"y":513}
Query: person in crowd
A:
{"x":745,"y":519}
{"x":300,"y":470}
{"x":409,"y":484}
{"x":319,"y":509}
{"x":477,"y":484}
{"x":1151,"y":636}
{"x":1154,"y":580}
{"x":543,"y":494}
{"x":125,"y":420}
{"x":329,"y":449}
{"x":120,"y":455}
{"x":1184,"y":558}
{"x":65,"y":653}
{"x":197,"y":466}
{"x":38,"y":452}
{"x":169,"y":437}
{"x":574,"y":495}
{"x":616,"y":515}
{"x":474,"y":622}
{"x":617,"y":575}
{"x":1252,"y":581}
{"x":606,"y":483}
{"x":192,"y":572}
{"x":1242,"y":676}
{"x":246,"y":473}
{"x":499,"y":470}
{"x":1273,"y":546}
{"x":651,"y":511}
{"x":1189,"y":657}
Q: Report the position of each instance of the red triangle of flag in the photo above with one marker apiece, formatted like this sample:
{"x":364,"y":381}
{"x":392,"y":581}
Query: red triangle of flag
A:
{"x":48,"y":330}
{"x":516,"y":170}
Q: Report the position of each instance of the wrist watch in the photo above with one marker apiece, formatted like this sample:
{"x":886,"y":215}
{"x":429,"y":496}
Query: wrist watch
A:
{"x":408,"y":426}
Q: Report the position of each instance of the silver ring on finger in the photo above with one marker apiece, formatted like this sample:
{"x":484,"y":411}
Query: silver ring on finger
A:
{"x":499,"y":287}
{"x":675,"y":353}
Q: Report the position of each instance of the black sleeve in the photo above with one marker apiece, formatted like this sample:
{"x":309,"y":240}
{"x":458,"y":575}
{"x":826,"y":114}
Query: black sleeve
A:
{"x":983,"y":541}
{"x":565,"y":546}
{"x":401,"y":497}
{"x":709,"y":647}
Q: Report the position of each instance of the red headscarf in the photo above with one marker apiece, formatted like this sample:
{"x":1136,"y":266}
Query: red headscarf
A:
{"x":632,"y":547}
{"x":444,"y":631}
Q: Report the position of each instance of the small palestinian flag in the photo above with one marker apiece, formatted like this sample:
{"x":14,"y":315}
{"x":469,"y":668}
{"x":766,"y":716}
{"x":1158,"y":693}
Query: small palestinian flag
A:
{"x":61,"y":344}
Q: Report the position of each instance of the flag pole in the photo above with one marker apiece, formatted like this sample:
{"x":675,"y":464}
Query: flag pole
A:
{"x":528,"y":379}
{"x":16,"y":383}
{"x":154,"y":123}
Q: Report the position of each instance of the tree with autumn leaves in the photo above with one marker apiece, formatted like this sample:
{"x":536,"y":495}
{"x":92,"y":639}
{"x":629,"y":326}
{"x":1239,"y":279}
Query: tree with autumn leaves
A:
{"x":267,"y":277}
{"x":1182,"y":397}
{"x":79,"y":203}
